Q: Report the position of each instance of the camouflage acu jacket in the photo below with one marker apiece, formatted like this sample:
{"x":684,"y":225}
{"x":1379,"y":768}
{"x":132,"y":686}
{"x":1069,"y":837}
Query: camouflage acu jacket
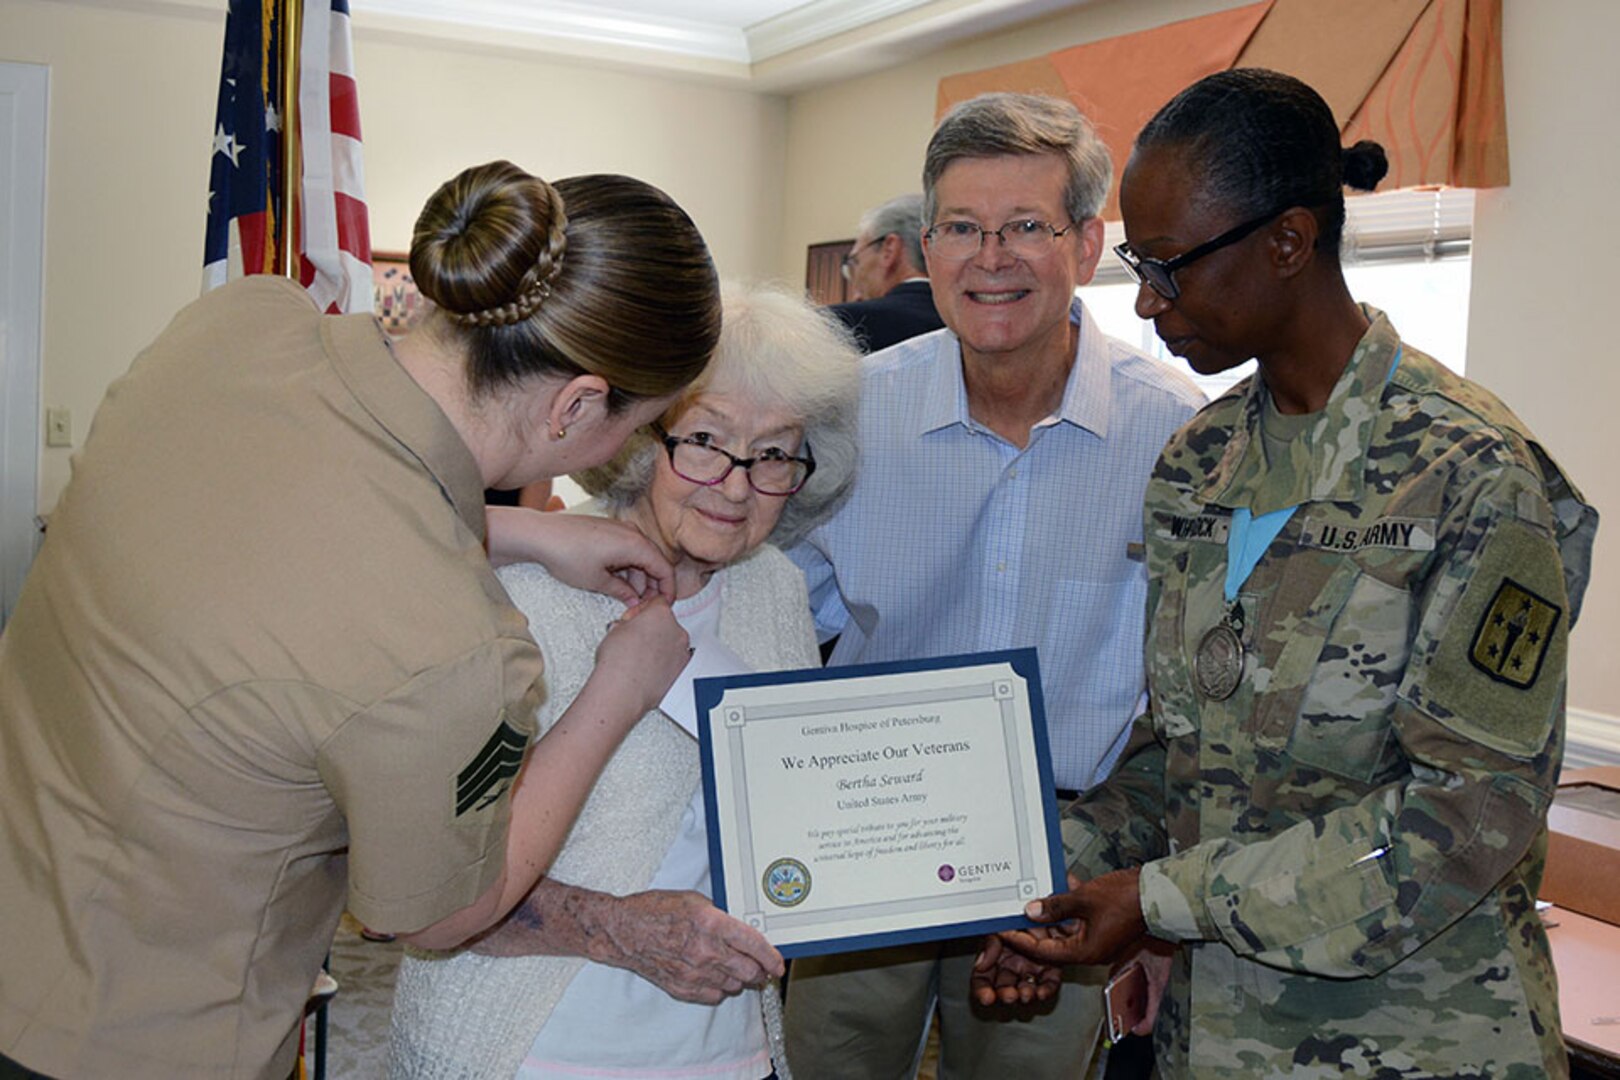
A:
{"x":1349,"y":846}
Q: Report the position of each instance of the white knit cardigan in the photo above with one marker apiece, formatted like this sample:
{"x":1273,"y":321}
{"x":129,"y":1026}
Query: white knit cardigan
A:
{"x":464,"y":1016}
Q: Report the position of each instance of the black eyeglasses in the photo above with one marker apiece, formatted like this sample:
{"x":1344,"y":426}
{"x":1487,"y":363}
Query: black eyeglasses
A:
{"x":1025,"y":238}
{"x":773,"y":472}
{"x":846,"y":264}
{"x":1159,"y":274}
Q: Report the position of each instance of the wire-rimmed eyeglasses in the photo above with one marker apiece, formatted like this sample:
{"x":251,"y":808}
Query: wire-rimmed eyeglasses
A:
{"x":1027,"y":238}
{"x":770,"y":472}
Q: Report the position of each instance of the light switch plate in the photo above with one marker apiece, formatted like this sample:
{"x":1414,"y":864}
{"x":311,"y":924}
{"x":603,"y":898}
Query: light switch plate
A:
{"x":58,"y":426}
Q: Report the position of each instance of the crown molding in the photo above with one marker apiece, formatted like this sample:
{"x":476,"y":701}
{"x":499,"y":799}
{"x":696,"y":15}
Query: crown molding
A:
{"x":568,"y":21}
{"x":815,"y":42}
{"x":817,"y":21}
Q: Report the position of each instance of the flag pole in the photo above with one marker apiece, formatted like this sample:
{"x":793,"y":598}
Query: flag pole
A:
{"x":292,"y":26}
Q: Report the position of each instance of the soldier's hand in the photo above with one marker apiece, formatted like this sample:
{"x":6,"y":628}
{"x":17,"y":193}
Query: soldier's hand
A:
{"x":1156,"y":957}
{"x":642,"y":655}
{"x":1004,"y":975}
{"x":586,"y":552}
{"x":1101,"y":919}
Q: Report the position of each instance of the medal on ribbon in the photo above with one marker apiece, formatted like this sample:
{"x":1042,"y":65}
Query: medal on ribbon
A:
{"x":1218,"y":665}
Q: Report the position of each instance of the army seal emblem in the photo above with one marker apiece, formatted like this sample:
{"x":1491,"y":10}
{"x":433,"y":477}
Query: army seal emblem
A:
{"x":786,"y":882}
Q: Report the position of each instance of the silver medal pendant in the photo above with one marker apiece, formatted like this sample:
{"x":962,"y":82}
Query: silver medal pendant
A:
{"x":1218,"y":667}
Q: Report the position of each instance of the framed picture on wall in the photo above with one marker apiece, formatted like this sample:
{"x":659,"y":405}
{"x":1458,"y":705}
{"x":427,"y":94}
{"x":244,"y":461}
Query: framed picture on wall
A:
{"x":823,"y":271}
{"x":396,"y":298}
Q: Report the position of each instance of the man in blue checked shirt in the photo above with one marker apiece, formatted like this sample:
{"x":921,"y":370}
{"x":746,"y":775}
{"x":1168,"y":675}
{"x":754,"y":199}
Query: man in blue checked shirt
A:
{"x":999,"y":505}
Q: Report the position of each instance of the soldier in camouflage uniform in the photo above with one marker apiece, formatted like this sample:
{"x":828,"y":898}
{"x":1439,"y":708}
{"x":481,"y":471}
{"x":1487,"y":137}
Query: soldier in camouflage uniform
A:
{"x":1342,"y":819}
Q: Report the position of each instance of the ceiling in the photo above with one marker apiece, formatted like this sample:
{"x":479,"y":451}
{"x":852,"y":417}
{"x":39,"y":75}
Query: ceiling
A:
{"x":772,"y":45}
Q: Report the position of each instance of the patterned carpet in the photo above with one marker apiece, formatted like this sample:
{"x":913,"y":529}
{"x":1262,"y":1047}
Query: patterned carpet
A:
{"x":357,"y":1018}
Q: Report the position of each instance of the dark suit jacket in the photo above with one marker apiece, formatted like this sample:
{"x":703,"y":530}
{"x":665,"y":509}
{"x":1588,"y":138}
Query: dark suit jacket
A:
{"x":903,"y":312}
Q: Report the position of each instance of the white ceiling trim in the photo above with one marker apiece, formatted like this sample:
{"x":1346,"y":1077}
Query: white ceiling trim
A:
{"x":817,"y":21}
{"x":773,"y":55}
{"x":593,"y":24}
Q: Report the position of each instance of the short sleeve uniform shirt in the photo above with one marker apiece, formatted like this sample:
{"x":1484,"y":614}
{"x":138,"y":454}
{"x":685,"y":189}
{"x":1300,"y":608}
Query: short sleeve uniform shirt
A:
{"x":260,"y":670}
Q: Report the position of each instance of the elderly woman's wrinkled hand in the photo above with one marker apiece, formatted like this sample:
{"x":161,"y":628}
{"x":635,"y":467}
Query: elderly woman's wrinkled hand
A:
{"x":693,"y":951}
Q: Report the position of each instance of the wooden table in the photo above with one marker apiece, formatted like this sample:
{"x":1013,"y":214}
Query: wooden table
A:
{"x":1586,"y":953}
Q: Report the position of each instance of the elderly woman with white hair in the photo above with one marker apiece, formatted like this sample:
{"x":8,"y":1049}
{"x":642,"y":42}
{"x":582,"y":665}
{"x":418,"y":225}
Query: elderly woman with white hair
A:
{"x":618,"y":963}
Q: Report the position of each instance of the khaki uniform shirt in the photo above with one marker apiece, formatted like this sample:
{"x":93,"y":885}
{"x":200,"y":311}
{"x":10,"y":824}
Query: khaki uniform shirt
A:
{"x":260,"y":669}
{"x":1349,"y":846}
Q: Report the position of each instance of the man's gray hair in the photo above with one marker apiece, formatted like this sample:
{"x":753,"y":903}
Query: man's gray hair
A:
{"x":775,"y":349}
{"x":902,"y":216}
{"x":991,"y":125}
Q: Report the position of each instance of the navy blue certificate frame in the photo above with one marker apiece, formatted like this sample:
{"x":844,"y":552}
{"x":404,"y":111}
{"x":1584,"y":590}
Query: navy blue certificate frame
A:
{"x":790,"y":874}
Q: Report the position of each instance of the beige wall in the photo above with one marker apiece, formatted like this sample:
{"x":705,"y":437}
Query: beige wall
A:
{"x":126,"y":188}
{"x":428,"y":112}
{"x":1546,"y":285}
{"x":132,"y":104}
{"x":1543,"y":276}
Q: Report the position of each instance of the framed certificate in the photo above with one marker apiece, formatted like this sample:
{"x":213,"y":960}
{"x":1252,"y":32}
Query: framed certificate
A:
{"x":862,"y":806}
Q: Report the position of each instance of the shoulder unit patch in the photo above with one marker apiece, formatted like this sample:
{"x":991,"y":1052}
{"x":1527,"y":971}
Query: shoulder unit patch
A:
{"x":489,"y":773}
{"x":1513,"y":635}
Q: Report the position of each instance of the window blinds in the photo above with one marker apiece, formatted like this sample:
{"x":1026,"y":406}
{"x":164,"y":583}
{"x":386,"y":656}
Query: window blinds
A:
{"x":1415,"y":225}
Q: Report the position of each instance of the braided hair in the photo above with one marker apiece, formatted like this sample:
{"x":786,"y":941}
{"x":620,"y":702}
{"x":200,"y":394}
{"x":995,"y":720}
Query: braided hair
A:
{"x":1262,"y":141}
{"x":600,"y":275}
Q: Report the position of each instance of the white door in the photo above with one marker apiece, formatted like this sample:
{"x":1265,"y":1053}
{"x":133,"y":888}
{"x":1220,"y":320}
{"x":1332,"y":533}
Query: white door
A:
{"x":23,"y":100}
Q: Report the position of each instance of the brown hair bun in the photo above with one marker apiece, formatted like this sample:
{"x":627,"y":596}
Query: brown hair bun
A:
{"x":489,"y":244}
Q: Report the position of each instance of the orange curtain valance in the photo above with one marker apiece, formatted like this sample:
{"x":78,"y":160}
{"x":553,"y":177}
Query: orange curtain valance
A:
{"x":1422,"y":77}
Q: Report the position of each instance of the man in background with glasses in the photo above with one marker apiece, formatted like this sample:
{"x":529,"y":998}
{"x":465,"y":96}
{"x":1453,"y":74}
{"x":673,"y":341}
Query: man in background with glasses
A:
{"x":998,"y":505}
{"x":890,"y":300}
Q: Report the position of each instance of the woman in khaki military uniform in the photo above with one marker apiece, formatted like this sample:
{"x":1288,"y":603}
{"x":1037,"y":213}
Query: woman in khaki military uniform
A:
{"x":262,"y":669}
{"x":1363,"y":572}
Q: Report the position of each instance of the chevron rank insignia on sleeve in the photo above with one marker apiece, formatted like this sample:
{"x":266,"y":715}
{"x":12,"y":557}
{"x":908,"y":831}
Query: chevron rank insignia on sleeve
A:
{"x":489,"y":774}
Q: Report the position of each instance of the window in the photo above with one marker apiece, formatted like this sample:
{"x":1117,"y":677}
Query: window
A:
{"x":1405,"y":252}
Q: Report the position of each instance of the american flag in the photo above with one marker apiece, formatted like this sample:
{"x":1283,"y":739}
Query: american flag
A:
{"x":246,"y":221}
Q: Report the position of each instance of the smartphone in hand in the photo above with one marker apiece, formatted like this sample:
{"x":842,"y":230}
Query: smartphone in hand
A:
{"x":1125,"y":1000}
